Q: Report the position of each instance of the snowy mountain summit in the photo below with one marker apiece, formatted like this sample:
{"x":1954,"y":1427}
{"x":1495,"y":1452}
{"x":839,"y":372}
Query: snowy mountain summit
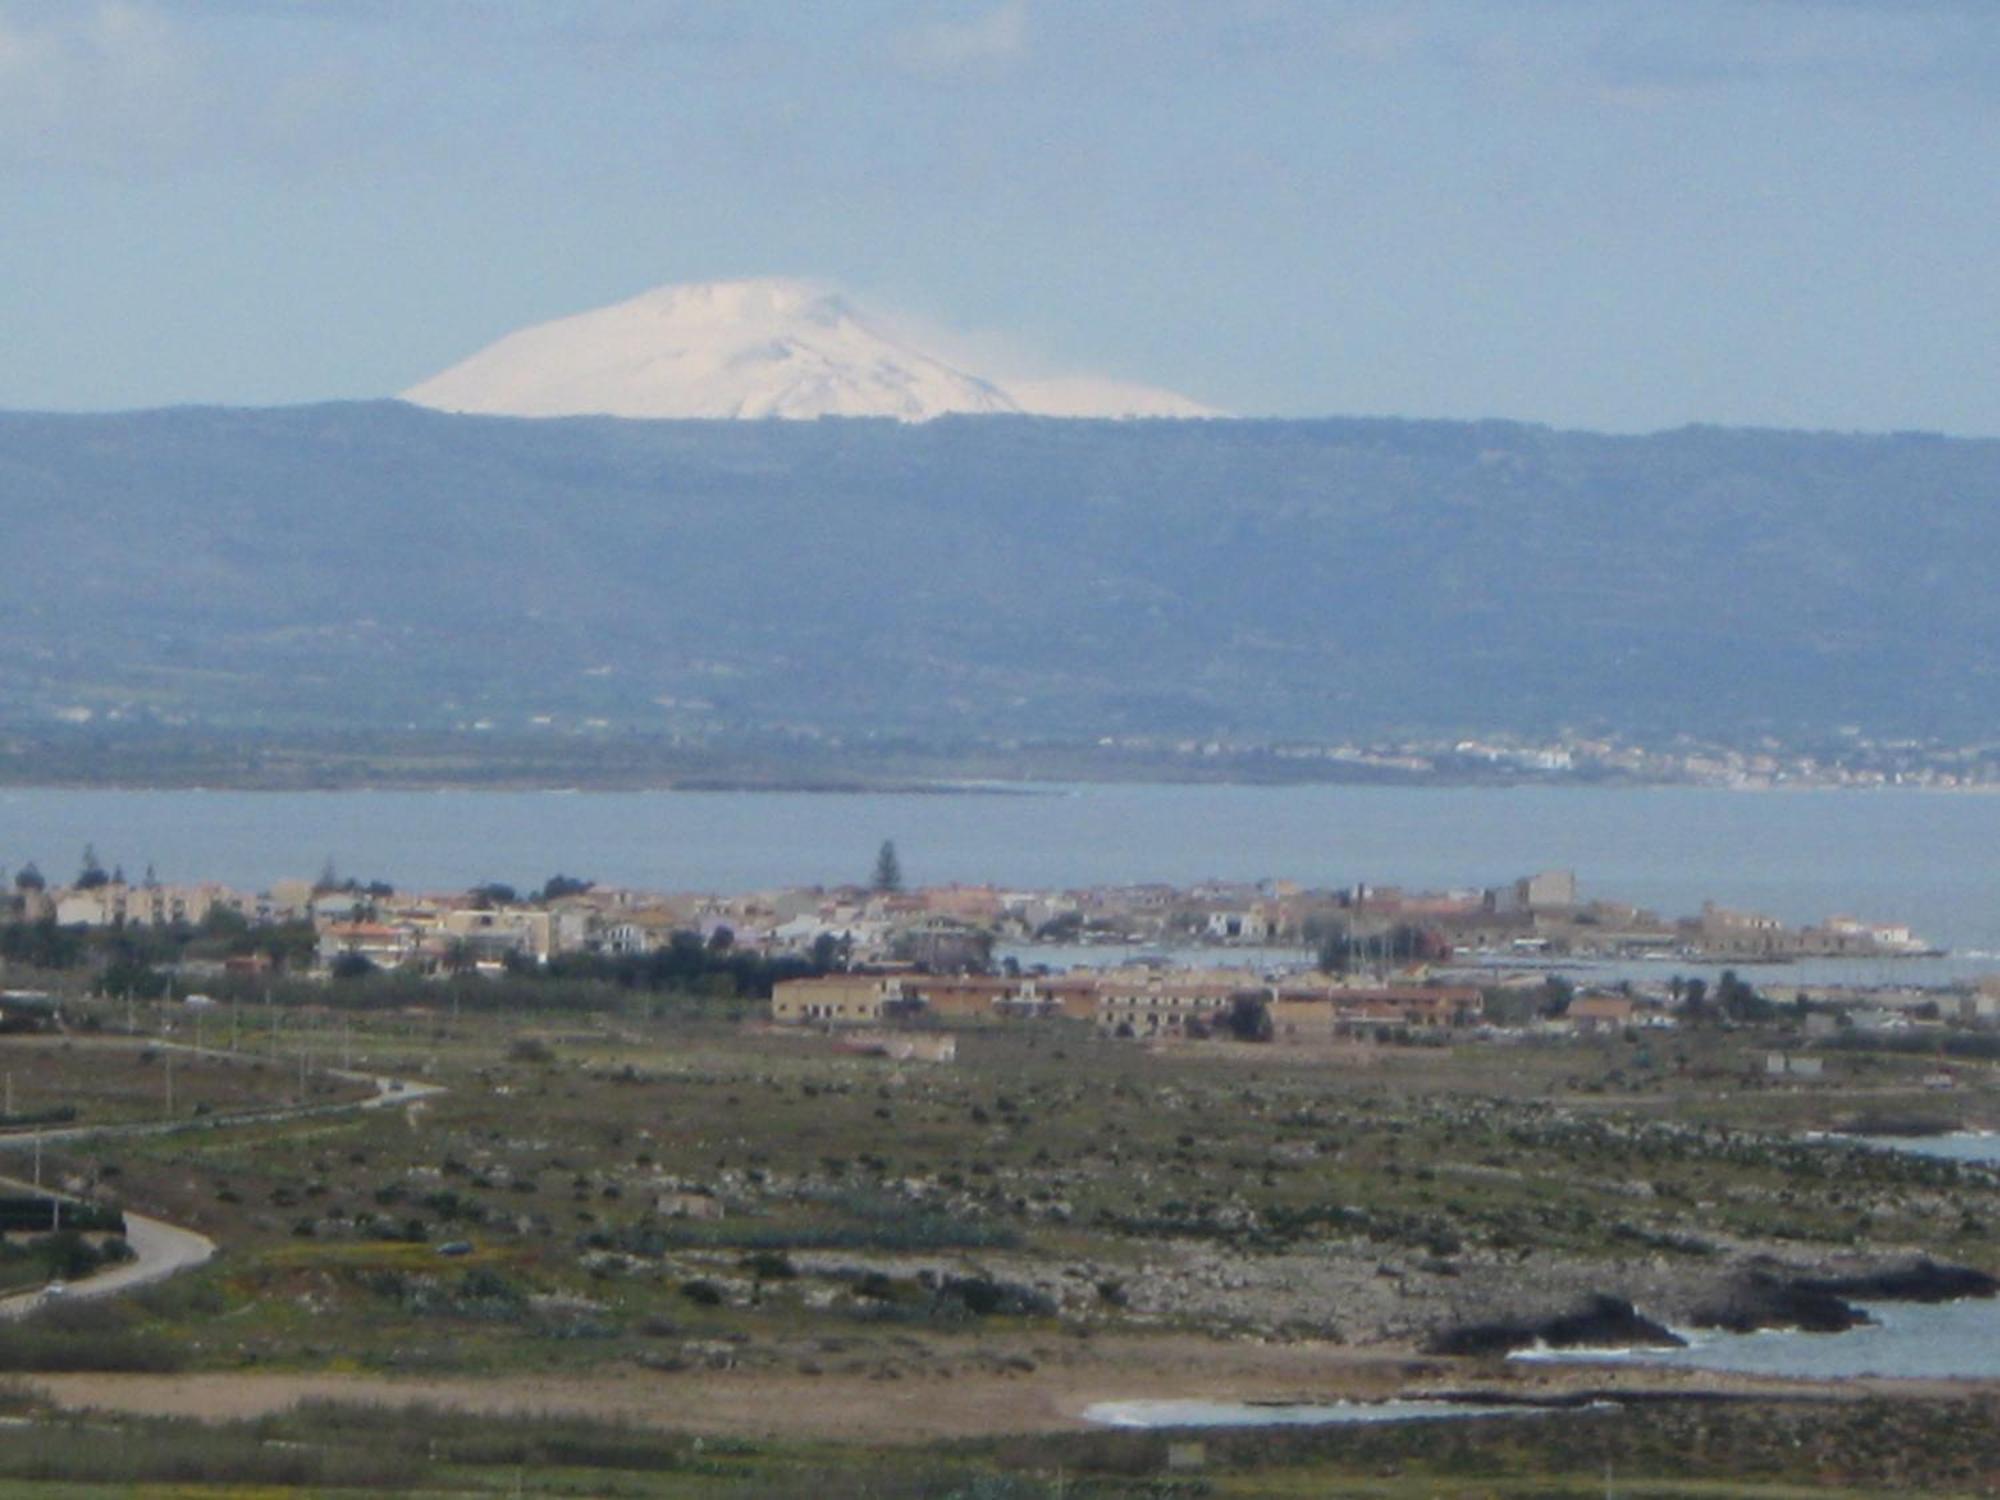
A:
{"x":769,"y":348}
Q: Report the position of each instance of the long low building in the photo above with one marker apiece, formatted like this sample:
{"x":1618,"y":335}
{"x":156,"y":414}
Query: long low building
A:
{"x":1141,"y":1004}
{"x":835,"y":999}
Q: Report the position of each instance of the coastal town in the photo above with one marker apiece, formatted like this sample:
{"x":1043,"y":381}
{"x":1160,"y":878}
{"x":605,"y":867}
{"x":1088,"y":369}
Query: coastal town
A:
{"x":1847,"y":759}
{"x":1266,"y":961}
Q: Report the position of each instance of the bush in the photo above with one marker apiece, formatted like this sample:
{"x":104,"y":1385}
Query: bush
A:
{"x":68,"y":1256}
{"x":183,"y":1452}
{"x":76,"y":1336}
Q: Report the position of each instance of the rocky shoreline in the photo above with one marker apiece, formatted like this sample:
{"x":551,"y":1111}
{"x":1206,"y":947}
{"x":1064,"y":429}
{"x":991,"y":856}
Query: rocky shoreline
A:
{"x":1340,"y":1294}
{"x":1762,"y":1294}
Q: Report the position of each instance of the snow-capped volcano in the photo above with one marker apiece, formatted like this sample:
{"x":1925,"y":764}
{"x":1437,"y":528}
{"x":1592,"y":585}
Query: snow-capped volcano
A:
{"x":769,"y":348}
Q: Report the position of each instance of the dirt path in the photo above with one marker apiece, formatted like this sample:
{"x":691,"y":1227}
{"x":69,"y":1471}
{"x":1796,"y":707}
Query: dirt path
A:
{"x":768,"y":1404}
{"x":927,"y":1407}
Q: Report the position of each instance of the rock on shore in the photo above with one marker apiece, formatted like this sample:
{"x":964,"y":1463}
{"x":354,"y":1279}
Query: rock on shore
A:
{"x":1601,"y":1322}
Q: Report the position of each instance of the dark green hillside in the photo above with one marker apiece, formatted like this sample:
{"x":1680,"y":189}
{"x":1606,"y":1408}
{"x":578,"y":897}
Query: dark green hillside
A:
{"x":381,"y":565}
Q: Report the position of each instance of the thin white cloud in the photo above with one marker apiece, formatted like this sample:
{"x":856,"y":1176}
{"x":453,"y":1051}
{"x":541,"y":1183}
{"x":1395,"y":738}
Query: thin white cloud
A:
{"x":1813,"y":41}
{"x":1627,"y":50}
{"x":992,"y":38}
{"x":140,"y":88}
{"x":96,"y":83}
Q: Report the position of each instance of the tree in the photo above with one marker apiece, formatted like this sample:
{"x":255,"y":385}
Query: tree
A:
{"x":1739,"y":1001}
{"x":41,"y":945}
{"x":30,"y":879}
{"x":559,"y":886}
{"x":289,"y":945}
{"x":92,"y":875}
{"x":830,"y":952}
{"x":1248,"y":1019}
{"x":1510,"y":1007}
{"x":1557,"y":993}
{"x":1694,"y":999}
{"x":128,"y":975}
{"x":888,"y":868}
{"x":1063,"y":927}
{"x":221,"y":921}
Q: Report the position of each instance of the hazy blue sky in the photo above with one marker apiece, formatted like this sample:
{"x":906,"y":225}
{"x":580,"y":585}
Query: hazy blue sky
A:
{"x":1597,"y":214}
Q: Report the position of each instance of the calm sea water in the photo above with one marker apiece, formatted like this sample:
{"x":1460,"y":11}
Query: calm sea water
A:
{"x":1192,"y":1413}
{"x":1928,"y":859}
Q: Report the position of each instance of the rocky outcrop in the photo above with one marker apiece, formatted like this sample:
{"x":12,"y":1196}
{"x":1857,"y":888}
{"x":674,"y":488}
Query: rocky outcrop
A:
{"x":1599,"y":1323}
{"x":1761,"y":1299}
{"x":1922,"y":1280}
{"x":1768,"y":1298}
{"x":1763,"y":1293}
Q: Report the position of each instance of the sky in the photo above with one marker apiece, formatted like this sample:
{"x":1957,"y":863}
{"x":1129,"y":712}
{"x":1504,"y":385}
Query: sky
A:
{"x":1592,"y":213}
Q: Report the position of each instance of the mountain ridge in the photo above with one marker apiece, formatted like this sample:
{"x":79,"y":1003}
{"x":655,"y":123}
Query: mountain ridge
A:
{"x":994,"y":577}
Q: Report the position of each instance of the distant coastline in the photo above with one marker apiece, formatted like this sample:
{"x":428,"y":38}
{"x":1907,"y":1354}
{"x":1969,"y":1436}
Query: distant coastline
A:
{"x":135,"y":759}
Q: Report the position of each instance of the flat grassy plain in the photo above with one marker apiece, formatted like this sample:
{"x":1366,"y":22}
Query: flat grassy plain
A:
{"x":849,"y":1275}
{"x":87,"y":1082}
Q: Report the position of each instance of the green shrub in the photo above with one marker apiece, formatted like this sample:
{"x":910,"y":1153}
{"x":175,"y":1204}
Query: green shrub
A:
{"x":76,"y":1336}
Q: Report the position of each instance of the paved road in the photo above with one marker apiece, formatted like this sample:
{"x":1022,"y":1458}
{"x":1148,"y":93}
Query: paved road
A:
{"x":160,"y":1249}
{"x":389,"y":1093}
